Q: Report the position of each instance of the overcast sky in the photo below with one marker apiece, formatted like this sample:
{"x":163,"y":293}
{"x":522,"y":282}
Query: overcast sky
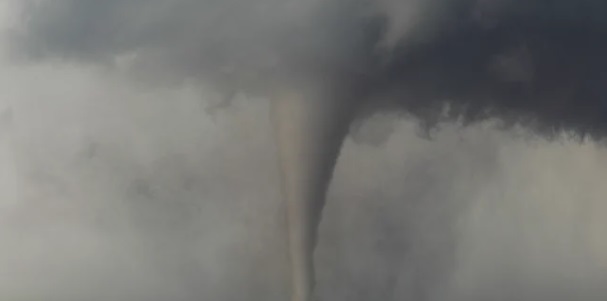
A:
{"x":114,"y":189}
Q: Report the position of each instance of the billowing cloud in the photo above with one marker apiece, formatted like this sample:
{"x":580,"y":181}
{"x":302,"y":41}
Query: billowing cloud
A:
{"x":539,"y":63}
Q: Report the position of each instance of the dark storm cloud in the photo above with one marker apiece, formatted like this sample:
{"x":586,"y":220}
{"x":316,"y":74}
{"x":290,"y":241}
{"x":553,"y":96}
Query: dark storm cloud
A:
{"x":239,"y":43}
{"x":540,"y":63}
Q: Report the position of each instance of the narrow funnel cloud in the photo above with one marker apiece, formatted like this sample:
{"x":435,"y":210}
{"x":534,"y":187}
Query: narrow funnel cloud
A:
{"x":538,"y":64}
{"x":311,"y":122}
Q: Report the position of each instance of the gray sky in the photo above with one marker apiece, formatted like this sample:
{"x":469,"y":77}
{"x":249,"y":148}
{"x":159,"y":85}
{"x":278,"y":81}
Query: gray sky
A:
{"x":112,"y":189}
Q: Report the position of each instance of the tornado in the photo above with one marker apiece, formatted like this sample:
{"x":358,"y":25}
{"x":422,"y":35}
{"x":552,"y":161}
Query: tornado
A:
{"x":538,"y":65}
{"x":310,"y":120}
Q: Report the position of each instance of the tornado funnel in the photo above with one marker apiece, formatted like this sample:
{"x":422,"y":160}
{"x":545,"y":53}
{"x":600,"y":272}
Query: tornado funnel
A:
{"x":311,"y":121}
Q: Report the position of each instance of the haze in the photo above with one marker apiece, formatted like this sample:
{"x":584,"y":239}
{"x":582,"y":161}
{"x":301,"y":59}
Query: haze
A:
{"x":115,"y":189}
